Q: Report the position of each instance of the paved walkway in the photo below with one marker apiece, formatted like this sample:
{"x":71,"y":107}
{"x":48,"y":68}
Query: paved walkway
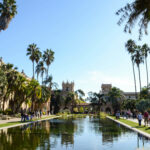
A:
{"x":135,"y":120}
{"x":17,"y":119}
{"x":10,"y":120}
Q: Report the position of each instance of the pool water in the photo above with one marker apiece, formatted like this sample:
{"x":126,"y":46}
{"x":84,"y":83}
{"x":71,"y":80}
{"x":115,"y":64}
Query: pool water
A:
{"x":88,"y":133}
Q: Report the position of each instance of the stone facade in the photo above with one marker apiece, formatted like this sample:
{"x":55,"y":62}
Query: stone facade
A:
{"x":67,"y":87}
{"x":105,"y":88}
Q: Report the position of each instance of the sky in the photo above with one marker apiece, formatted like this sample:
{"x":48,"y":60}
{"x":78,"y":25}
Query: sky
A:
{"x":88,"y":43}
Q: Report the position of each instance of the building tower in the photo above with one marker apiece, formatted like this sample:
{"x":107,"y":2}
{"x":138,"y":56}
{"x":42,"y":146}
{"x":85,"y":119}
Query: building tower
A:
{"x":67,"y":87}
{"x":106,"y":88}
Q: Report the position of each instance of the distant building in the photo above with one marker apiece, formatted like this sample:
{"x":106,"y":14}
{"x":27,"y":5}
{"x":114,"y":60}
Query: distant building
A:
{"x":105,"y":88}
{"x":68,"y":87}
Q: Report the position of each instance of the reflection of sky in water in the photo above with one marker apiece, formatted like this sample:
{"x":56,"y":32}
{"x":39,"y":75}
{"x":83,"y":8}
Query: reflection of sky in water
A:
{"x":77,"y":134}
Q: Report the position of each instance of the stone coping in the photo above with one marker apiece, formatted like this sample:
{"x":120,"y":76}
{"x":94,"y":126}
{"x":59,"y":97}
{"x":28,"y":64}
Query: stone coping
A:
{"x":131,"y":128}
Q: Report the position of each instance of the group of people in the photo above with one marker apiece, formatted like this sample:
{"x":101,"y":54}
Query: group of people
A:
{"x":29,"y":116}
{"x":145,"y":116}
{"x":139,"y":116}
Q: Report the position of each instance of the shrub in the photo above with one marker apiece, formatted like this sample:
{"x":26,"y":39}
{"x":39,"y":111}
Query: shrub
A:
{"x":75,"y":110}
{"x":65,"y":111}
{"x":81,"y":110}
{"x":8,"y":112}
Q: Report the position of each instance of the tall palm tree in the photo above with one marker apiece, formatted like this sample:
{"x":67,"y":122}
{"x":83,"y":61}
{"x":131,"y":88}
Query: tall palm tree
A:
{"x":138,"y":10}
{"x":48,"y":58}
{"x":41,"y":68}
{"x":33,"y":52}
{"x":37,"y":59}
{"x":8,"y":10}
{"x":138,"y":59}
{"x":130,"y":46}
{"x":145,"y":49}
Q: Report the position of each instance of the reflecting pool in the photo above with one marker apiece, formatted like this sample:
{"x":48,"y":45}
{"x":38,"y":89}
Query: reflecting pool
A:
{"x":88,"y":133}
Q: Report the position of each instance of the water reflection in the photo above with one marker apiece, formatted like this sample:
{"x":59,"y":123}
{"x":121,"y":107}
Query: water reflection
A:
{"x":81,"y":133}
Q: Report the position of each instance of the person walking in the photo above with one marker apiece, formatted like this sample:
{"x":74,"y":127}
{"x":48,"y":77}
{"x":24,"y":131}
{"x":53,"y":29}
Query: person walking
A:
{"x":146,"y":118}
{"x":139,"y":117}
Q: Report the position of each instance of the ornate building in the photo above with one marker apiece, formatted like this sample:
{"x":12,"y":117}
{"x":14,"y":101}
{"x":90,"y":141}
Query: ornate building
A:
{"x":68,"y":87}
{"x":105,"y":88}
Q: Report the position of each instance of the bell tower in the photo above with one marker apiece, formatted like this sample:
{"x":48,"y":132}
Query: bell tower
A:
{"x":68,"y":87}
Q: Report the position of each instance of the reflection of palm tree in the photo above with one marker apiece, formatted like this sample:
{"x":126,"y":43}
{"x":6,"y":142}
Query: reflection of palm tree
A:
{"x":130,"y":46}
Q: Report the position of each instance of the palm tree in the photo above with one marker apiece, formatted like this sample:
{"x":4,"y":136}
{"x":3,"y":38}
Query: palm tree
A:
{"x":34,"y":54}
{"x":48,"y":58}
{"x":80,"y":93}
{"x":96,"y":99}
{"x":130,"y":46}
{"x":8,"y":10}
{"x":37,"y":59}
{"x":138,"y":10}
{"x":145,"y":49}
{"x":138,"y":59}
{"x":41,"y":68}
{"x":49,"y":81}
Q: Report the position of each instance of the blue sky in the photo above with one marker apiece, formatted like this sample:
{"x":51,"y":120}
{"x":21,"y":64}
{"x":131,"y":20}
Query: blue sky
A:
{"x":88,"y":43}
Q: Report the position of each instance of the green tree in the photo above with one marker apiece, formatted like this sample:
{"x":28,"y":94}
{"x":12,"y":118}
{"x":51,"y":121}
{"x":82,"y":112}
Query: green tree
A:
{"x":131,"y":47}
{"x":34,"y":54}
{"x":130,"y":104}
{"x":80,"y":93}
{"x":8,"y":10}
{"x":96,"y":99}
{"x":145,"y":93}
{"x":138,"y":10}
{"x":35,"y":91}
{"x":70,"y":100}
{"x":48,"y":58}
{"x":143,"y":105}
{"x":57,"y":101}
{"x":116,"y":97}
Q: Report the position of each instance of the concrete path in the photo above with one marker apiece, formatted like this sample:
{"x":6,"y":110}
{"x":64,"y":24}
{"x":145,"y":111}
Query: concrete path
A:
{"x":10,"y":120}
{"x":17,"y":119}
{"x":135,"y":120}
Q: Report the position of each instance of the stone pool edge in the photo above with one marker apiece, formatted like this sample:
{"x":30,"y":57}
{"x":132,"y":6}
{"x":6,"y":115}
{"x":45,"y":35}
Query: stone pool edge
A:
{"x":22,"y":124}
{"x":131,"y":128}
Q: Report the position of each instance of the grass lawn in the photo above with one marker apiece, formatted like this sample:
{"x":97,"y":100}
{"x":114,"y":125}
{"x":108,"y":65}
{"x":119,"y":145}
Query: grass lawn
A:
{"x":19,"y":122}
{"x":133,"y":124}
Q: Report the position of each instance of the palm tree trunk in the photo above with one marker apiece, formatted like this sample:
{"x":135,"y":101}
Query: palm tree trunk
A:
{"x":42,"y":78}
{"x":146,"y":71}
{"x":47,"y":70}
{"x":139,"y":77}
{"x":37,"y":77}
{"x":134,"y":79}
{"x":33,"y":69}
